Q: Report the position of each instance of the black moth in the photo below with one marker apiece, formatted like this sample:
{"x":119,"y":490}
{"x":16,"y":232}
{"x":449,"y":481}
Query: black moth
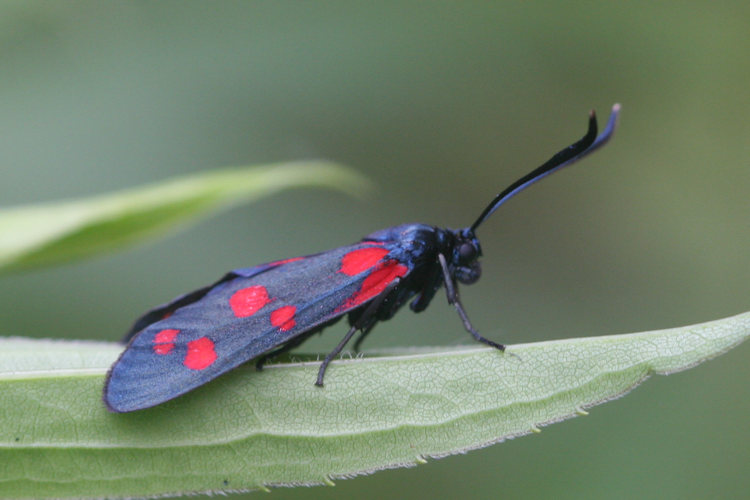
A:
{"x":259,"y":312}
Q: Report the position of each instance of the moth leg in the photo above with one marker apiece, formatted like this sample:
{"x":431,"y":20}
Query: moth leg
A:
{"x":333,"y":354}
{"x":365,"y":322}
{"x":361,"y":338}
{"x":452,"y":292}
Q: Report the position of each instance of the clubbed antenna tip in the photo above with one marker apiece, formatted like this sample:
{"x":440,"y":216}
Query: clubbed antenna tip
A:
{"x":586,"y":145}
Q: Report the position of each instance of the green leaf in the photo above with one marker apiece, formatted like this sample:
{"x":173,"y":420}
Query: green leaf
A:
{"x":248,"y":430}
{"x":51,"y":233}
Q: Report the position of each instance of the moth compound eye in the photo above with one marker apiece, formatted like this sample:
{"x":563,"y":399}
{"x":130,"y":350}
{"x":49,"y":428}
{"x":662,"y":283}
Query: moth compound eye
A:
{"x":467,"y":252}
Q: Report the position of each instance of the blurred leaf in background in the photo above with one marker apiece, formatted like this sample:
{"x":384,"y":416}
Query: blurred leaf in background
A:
{"x":46,"y":234}
{"x":442,"y":105}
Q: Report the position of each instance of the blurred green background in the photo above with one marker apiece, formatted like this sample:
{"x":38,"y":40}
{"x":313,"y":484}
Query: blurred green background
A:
{"x":442,"y":104}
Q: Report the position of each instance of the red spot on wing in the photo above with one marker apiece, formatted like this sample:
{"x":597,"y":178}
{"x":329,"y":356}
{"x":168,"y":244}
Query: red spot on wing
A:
{"x":283,"y":318}
{"x":164,"y":341}
{"x":361,"y":260}
{"x":165,"y":336}
{"x":247,"y":301}
{"x":376,"y":282}
{"x":163,"y":349}
{"x":200,"y":354}
{"x":285,"y":261}
{"x":167,"y":314}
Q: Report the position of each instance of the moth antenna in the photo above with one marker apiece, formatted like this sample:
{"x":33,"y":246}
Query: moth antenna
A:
{"x":587,"y":144}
